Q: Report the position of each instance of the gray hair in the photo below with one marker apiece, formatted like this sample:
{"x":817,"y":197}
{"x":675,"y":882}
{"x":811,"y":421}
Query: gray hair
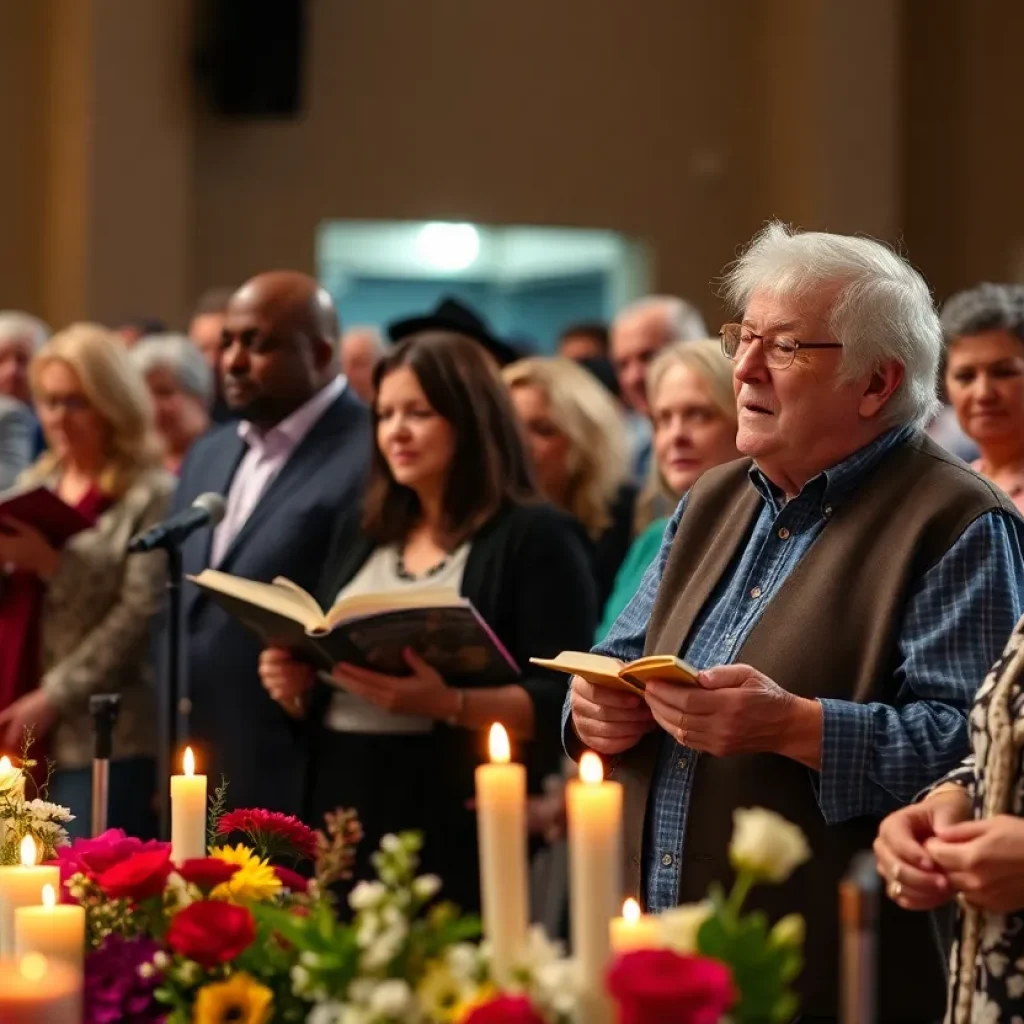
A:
{"x":176,"y":353}
{"x":988,"y":307}
{"x":683,"y":321}
{"x":883,"y":309}
{"x":15,"y":326}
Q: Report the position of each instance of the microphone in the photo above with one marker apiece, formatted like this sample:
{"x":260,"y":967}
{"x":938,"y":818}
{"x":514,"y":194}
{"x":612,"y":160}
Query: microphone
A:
{"x":207,"y":510}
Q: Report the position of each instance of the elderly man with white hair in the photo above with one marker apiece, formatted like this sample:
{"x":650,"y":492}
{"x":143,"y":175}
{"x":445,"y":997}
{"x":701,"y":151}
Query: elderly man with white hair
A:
{"x":21,"y":336}
{"x":841,"y":591}
{"x":640,"y":331}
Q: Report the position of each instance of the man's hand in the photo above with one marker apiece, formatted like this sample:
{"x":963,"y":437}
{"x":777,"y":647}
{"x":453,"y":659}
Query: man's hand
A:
{"x":606,"y":720}
{"x":34,"y":711}
{"x":737,"y":710}
{"x":913,"y":879}
{"x":984,"y":860}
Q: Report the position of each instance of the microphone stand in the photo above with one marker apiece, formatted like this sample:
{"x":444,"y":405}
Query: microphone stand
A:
{"x":174,"y":709}
{"x":104,"y":708}
{"x":859,"y":898}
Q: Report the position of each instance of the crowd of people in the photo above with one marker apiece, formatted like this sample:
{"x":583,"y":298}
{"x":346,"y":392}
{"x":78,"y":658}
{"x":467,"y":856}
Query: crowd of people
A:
{"x":784,"y":505}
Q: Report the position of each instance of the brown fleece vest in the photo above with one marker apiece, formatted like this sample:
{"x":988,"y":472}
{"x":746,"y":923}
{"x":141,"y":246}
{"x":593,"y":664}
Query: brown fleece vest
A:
{"x":832,"y":630}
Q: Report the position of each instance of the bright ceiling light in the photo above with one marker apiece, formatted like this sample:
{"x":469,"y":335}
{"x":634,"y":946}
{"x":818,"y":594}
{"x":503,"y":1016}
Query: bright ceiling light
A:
{"x":449,"y":246}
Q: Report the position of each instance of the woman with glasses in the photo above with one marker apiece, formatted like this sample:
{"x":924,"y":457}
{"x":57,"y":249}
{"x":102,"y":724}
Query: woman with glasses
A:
{"x":74,"y":621}
{"x":984,"y":330}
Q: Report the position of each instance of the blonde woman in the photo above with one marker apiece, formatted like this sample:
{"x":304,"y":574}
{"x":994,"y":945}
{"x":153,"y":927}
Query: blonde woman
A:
{"x":75,"y":621}
{"x":579,"y":451}
{"x":693,"y":410}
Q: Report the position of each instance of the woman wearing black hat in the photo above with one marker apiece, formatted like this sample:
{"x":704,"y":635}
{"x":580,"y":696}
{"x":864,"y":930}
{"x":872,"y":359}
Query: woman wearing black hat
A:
{"x":451,"y":503}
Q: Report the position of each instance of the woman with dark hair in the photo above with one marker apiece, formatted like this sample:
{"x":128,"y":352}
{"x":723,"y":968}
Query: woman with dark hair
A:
{"x":450,"y":504}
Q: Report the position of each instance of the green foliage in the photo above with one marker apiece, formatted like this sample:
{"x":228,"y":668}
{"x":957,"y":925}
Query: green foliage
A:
{"x":762,"y":968}
{"x":218,"y":805}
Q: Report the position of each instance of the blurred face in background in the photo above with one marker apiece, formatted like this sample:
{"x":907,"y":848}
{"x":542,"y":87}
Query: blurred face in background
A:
{"x":15,"y":355}
{"x":691,"y":432}
{"x":548,"y":445}
{"x":417,"y":442}
{"x":205,"y":332}
{"x":75,"y":431}
{"x":985,"y":383}
{"x":360,"y":350}
{"x":636,"y":339}
{"x":180,"y":416}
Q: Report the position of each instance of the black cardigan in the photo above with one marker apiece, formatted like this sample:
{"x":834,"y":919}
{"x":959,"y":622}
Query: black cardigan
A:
{"x":530,"y":575}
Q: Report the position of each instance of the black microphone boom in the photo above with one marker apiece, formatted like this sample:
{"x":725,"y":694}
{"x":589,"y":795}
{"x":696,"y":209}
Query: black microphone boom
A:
{"x":207,"y":510}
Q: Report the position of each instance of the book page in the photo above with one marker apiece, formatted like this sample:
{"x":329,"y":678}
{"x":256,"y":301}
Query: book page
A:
{"x":309,"y":602}
{"x":581,"y":663}
{"x":291,"y":602}
{"x":363,"y":606}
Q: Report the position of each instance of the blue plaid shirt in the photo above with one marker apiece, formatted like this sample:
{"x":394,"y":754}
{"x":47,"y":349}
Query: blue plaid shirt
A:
{"x":875,"y":757}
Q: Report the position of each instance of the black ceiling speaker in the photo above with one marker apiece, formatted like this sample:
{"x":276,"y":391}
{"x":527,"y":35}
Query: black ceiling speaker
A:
{"x":249,"y":56}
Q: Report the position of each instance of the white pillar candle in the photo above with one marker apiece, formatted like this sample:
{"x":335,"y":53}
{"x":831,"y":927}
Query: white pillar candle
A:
{"x":594,"y":811}
{"x":55,"y":930}
{"x":188,"y":812}
{"x":634,"y":930}
{"x":501,"y":822}
{"x":34,"y":989}
{"x":22,"y":886}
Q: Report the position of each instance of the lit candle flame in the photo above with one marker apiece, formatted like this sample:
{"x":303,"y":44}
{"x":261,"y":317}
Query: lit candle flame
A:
{"x":591,"y":769}
{"x":27,"y":852}
{"x":631,"y":911}
{"x":33,"y":967}
{"x":501,"y":752}
{"x":49,"y":897}
{"x":5,"y":765}
{"x":189,"y":762}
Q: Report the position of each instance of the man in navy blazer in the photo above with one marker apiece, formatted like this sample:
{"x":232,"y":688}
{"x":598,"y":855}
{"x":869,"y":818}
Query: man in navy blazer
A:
{"x":289,"y":469}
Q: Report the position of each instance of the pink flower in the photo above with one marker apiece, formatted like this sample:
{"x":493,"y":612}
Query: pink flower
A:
{"x":271,"y":833}
{"x":91,"y":857}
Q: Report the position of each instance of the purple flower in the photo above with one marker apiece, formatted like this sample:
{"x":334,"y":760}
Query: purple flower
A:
{"x":115,"y":992}
{"x":92,"y":857}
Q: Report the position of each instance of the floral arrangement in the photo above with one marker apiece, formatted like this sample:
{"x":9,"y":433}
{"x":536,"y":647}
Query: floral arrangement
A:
{"x":21,"y":817}
{"x":239,"y":936}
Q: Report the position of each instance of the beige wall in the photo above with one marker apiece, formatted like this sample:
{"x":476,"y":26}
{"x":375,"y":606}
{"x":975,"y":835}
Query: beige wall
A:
{"x":683,"y":122}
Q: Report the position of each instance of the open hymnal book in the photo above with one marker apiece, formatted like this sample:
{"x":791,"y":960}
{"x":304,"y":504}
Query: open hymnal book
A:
{"x":603,"y":671}
{"x":371,"y":630}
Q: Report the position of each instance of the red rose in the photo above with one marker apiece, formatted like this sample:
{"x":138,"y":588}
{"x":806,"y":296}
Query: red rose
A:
{"x":207,"y":872}
{"x":291,"y":879}
{"x":137,"y":878}
{"x":657,"y":986}
{"x":505,"y":1010}
{"x":211,"y":932}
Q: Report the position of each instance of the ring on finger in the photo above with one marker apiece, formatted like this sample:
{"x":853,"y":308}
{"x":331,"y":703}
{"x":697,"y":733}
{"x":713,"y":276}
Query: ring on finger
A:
{"x":895,"y":890}
{"x":895,"y":877}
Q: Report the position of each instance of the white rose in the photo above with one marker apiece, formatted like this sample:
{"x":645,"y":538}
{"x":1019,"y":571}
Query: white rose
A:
{"x":766,"y":845}
{"x":681,"y":925}
{"x":365,"y":895}
{"x":391,"y":998}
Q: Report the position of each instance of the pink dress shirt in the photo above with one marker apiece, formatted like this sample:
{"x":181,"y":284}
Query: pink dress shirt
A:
{"x":265,"y":458}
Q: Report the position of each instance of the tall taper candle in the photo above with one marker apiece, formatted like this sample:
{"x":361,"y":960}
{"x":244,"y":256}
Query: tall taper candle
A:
{"x":188,"y":812}
{"x":594,"y":810}
{"x":501,"y":821}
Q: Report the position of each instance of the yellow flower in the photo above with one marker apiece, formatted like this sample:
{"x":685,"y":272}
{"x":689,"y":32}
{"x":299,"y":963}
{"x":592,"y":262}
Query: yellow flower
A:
{"x":439,"y":991}
{"x":255,"y":880}
{"x":241,"y":1000}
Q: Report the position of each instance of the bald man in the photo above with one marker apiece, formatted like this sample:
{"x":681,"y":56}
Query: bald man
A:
{"x":292,"y":465}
